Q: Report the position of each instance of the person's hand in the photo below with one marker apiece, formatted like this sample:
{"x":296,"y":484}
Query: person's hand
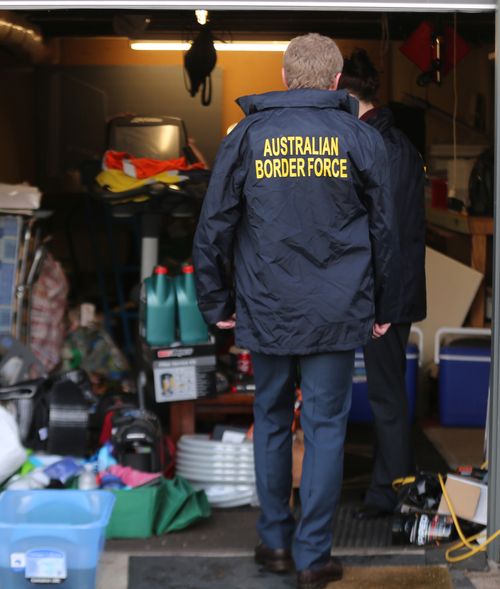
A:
{"x":227,"y":323}
{"x":379,"y":329}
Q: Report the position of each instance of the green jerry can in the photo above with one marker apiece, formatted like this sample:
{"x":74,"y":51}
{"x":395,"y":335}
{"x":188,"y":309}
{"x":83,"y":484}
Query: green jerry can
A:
{"x":192,"y":327}
{"x":160,"y":308}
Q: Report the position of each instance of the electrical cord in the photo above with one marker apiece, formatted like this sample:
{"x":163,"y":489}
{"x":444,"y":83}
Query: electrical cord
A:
{"x":464,"y":542}
{"x":396,"y":483}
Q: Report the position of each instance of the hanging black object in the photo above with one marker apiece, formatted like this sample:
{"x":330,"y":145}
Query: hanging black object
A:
{"x":481,"y":185}
{"x":199,"y":61}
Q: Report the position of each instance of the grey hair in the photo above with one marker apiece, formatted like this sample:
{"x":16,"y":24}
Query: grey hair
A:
{"x":312,"y":61}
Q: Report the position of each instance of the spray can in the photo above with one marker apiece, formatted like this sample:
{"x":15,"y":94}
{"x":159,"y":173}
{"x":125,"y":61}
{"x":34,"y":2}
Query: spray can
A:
{"x":421,"y":529}
{"x":192,"y":326}
{"x":244,"y":363}
{"x":160,"y":308}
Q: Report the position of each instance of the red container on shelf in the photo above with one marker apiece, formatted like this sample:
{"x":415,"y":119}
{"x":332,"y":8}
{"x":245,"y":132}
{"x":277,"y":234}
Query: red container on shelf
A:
{"x":439,"y":193}
{"x":244,"y":363}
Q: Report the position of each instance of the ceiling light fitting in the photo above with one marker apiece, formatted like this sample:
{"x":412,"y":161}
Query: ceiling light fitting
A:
{"x":278,"y":46}
{"x":201,"y":16}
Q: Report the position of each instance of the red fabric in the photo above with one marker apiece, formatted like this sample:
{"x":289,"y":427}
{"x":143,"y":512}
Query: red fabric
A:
{"x":462,"y":48}
{"x":48,"y":307}
{"x":169,"y":471}
{"x":418,"y":47}
{"x":146,"y":167}
{"x":130,"y":476}
{"x":107,"y":426}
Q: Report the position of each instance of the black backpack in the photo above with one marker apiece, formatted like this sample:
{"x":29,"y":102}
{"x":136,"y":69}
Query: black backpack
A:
{"x":137,"y":440}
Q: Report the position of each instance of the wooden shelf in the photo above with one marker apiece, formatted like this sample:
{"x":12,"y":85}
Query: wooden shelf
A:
{"x":459,"y":222}
{"x":183,"y":413}
{"x":226,"y":403}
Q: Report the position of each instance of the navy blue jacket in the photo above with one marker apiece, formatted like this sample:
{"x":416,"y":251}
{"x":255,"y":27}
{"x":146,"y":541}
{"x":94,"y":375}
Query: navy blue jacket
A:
{"x":297,"y":231}
{"x":407,"y":190}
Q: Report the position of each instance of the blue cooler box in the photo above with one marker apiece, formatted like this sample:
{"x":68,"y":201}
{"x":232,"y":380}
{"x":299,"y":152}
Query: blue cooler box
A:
{"x":360,"y":408}
{"x":52,"y":538}
{"x":464,"y":379}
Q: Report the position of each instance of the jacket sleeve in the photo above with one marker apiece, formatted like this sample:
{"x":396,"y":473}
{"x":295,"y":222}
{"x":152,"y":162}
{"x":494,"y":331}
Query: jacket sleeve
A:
{"x":383,"y":235}
{"x":213,"y":241}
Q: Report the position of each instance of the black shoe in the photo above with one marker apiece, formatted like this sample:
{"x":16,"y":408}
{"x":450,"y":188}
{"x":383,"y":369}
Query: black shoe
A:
{"x":371,"y":512}
{"x":319,"y":578}
{"x":277,"y":560}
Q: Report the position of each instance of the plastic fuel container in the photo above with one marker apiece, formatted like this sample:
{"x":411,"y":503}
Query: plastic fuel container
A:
{"x":192,"y":326}
{"x":52,"y":538}
{"x":160,"y":308}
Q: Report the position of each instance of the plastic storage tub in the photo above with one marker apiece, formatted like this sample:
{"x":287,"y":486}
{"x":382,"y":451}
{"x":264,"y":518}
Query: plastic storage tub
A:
{"x":360,"y":407}
{"x":464,"y":376}
{"x":52,"y":537}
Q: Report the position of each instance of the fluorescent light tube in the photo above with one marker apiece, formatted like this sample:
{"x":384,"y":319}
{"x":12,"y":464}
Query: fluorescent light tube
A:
{"x":219,"y":45}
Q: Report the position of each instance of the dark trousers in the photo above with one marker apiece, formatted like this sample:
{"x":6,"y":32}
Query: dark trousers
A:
{"x":326,"y":383}
{"x":385,"y":361}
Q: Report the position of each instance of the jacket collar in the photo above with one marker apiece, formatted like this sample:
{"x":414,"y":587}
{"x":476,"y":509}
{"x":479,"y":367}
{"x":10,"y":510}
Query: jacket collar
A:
{"x":380,"y":118}
{"x":303,"y":97}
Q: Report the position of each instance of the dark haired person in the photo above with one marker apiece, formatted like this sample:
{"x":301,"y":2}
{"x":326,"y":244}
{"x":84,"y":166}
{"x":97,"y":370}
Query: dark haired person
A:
{"x":385,"y":357}
{"x":298,"y":206}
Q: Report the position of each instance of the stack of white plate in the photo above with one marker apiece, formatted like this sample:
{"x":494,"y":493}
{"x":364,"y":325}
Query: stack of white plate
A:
{"x":225,"y":471}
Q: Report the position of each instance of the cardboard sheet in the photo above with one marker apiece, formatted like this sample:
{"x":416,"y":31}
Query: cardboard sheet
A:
{"x":451,"y":288}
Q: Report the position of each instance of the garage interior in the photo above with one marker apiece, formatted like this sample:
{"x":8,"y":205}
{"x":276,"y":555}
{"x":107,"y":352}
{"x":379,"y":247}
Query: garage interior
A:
{"x":76,"y":71}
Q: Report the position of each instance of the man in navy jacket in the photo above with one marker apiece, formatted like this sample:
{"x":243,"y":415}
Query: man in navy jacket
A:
{"x":296,"y":249}
{"x":385,"y":358}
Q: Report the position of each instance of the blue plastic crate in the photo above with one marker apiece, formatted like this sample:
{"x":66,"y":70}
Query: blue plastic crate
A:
{"x":360,"y":407}
{"x":52,"y":537}
{"x":464,"y":378}
{"x":464,"y":375}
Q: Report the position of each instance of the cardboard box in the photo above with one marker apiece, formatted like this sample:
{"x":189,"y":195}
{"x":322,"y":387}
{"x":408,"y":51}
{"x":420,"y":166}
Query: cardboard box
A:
{"x":469,"y":499}
{"x":182,"y":372}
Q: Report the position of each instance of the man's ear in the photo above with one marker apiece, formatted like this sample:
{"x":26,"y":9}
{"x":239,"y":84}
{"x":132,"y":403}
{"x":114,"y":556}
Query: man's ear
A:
{"x":335,"y":81}
{"x":283,"y":77}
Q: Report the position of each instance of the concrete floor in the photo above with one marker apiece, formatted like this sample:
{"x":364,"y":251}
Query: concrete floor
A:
{"x":113,"y":573}
{"x":488,"y":580}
